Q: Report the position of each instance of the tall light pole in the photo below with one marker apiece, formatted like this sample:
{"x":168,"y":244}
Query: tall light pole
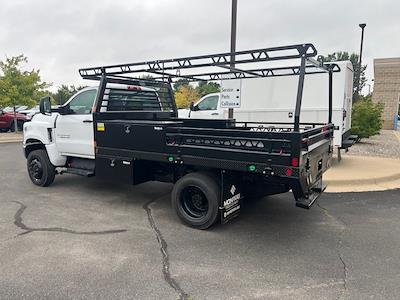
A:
{"x":362,"y":26}
{"x":233,"y":43}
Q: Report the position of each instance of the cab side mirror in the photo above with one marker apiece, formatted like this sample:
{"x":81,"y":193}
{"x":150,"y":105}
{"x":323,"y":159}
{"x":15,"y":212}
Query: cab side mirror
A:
{"x":191,"y":106}
{"x":45,"y":105}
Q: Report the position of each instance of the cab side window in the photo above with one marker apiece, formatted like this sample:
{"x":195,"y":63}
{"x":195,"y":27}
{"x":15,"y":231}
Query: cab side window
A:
{"x":209,"y":103}
{"x":82,"y":103}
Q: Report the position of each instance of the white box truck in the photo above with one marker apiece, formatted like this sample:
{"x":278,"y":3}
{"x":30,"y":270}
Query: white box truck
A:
{"x":272,"y":99}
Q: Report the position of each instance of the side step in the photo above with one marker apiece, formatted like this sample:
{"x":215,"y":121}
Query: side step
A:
{"x":76,"y":171}
{"x":81,"y":172}
{"x":315,"y":192}
{"x":347,"y":144}
{"x":350,"y":141}
{"x":81,"y":163}
{"x":353,"y":137}
{"x":79,"y":166}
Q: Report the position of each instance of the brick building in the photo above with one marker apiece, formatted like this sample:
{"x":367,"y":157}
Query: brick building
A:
{"x":387,"y":88}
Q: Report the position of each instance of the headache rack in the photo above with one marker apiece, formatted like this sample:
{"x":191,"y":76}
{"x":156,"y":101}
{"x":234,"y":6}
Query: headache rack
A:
{"x":248,"y":64}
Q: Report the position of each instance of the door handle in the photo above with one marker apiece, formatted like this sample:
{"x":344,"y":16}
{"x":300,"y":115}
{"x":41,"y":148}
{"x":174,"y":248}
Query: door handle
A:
{"x":87,"y":121}
{"x":215,"y":114}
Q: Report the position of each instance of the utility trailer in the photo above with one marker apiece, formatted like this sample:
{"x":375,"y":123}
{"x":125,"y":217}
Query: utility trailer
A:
{"x":213,"y":164}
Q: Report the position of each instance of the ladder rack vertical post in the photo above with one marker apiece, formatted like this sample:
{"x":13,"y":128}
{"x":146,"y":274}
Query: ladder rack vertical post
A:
{"x":299,"y":93}
{"x":233,"y":44}
{"x":330,"y":96}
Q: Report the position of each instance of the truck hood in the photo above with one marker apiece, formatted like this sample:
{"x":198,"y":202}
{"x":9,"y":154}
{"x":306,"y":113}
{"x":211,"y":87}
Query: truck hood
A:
{"x":37,"y":128}
{"x":44,"y":119}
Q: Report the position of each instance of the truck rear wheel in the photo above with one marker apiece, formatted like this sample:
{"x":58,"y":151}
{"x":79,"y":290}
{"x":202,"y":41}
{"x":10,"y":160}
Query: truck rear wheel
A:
{"x":40,"y":170}
{"x":195,"y":198}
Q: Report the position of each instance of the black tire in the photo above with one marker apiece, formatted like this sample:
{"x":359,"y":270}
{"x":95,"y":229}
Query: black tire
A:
{"x":12,"y":127}
{"x":195,"y":198}
{"x":40,"y":170}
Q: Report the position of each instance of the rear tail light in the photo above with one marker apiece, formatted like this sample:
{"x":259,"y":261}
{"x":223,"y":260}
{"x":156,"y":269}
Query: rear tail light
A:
{"x":295,"y":162}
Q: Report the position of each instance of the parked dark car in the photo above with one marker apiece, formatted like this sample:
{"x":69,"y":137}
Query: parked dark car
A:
{"x":7,"y":121}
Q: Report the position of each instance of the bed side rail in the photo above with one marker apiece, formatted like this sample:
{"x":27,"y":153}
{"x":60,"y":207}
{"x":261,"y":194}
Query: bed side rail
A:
{"x":274,"y":144}
{"x":313,"y":136}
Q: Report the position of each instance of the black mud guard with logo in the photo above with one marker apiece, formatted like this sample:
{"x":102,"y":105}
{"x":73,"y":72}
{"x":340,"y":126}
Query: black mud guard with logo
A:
{"x":231,"y":198}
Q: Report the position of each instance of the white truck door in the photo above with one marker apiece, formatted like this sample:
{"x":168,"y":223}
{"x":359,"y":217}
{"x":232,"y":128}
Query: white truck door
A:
{"x":74,"y":130}
{"x":207,"y":108}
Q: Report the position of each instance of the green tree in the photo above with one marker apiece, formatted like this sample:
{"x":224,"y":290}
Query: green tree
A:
{"x":179,"y":83}
{"x":185,"y":95}
{"x":366,"y":118}
{"x":354,"y":58}
{"x":146,"y":77}
{"x":205,"y":88}
{"x":18,"y":87}
{"x":65,"y":92}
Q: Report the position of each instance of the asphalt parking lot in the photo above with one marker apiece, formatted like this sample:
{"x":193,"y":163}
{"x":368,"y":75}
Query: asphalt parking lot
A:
{"x":88,"y":239}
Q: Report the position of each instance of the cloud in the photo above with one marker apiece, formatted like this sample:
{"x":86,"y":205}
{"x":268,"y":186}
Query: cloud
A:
{"x":59,"y":37}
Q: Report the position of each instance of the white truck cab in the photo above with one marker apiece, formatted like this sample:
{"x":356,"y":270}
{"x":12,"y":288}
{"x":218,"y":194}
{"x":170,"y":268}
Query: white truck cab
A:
{"x":64,"y":138}
{"x":69,"y":134}
{"x":207,"y":107}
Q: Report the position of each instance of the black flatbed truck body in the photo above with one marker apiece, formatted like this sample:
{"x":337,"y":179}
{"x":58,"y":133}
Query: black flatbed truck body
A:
{"x":286,"y":157}
{"x":138,"y":146}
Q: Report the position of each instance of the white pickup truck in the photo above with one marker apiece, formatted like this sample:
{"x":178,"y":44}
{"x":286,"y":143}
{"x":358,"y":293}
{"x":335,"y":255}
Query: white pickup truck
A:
{"x":270,"y":99}
{"x":64,"y":139}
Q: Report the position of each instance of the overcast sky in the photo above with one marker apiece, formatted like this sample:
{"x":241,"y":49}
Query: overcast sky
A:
{"x":59,"y":37}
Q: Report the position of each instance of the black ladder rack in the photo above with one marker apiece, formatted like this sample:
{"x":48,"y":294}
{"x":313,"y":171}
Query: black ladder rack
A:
{"x":244,"y":61}
{"x":163,"y":67}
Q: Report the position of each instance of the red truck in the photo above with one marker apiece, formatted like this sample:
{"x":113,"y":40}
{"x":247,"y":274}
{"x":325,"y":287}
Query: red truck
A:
{"x":7,"y":121}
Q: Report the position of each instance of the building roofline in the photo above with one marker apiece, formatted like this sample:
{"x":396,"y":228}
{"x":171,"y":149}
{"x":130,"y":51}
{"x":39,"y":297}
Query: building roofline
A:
{"x":387,"y":61}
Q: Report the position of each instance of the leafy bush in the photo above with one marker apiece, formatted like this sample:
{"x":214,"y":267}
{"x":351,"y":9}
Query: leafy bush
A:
{"x":185,"y":95}
{"x":366,"y":118}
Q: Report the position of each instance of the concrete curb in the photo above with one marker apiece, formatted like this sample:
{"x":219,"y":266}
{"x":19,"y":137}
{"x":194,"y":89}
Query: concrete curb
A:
{"x":375,"y":180}
{"x":360,"y":173}
{"x":373,"y":187}
{"x":11,"y":141}
{"x":11,"y":137}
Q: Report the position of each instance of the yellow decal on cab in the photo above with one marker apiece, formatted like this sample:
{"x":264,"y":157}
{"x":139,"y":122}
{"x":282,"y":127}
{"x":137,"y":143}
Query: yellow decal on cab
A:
{"x":101,"y":127}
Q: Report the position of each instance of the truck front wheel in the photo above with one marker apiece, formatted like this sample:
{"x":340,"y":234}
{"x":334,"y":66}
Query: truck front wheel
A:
{"x":40,"y":170}
{"x":195,"y":198}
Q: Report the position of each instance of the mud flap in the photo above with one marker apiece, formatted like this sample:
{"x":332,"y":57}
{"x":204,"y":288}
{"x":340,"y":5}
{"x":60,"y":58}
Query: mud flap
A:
{"x":231,"y":198}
